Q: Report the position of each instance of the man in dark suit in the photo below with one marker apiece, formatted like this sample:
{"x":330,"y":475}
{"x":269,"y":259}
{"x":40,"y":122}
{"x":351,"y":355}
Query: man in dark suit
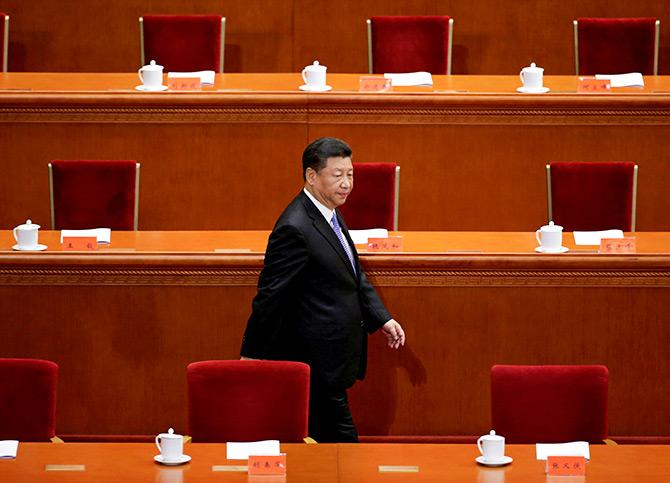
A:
{"x":314,"y":303}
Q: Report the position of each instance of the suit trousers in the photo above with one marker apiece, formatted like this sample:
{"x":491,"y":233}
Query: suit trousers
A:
{"x":330,"y":418}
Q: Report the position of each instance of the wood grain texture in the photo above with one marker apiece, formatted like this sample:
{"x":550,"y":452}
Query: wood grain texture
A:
{"x":472,"y":151}
{"x":123,"y":324}
{"x":326,"y":463}
{"x":490,"y":37}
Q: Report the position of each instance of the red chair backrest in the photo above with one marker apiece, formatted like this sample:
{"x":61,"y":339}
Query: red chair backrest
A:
{"x":3,"y":53}
{"x":183,"y":43}
{"x":28,"y":399}
{"x":592,"y":196}
{"x":94,"y":194}
{"x":371,"y":203}
{"x":410,"y":44}
{"x":248,"y":400}
{"x":549,"y":404}
{"x":616,"y":45}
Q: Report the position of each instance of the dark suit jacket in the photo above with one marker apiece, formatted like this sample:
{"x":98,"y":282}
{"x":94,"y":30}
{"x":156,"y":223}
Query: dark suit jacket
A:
{"x":311,"y":306}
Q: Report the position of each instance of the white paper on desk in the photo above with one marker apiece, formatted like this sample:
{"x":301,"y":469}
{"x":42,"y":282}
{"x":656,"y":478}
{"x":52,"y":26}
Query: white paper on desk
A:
{"x":410,"y":79}
{"x":634,"y":79}
{"x":360,"y":237}
{"x":8,"y":448}
{"x":594,"y":237}
{"x":103,"y":235}
{"x":576,"y":448}
{"x":242,"y":451}
{"x":206,"y":76}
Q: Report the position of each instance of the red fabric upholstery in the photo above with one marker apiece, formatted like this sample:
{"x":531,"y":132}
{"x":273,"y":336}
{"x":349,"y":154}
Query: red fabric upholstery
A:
{"x":248,"y":400}
{"x":371,"y":203}
{"x":3,"y":54}
{"x":28,"y":399}
{"x":410,"y":44}
{"x":92,"y":194}
{"x":592,"y":196}
{"x":616,"y":45}
{"x":549,"y":404}
{"x":183,"y":43}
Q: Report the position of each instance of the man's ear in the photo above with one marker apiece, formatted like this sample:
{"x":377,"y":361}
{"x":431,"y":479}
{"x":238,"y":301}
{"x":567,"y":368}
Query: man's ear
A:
{"x":310,"y":174}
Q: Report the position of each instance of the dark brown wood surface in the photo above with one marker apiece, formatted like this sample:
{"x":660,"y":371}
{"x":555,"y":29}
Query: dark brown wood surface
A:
{"x":472,"y":151}
{"x":490,"y":37}
{"x":123,"y":324}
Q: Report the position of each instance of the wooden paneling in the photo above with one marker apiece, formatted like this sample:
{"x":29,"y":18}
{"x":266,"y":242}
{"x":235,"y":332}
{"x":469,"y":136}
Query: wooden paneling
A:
{"x":472,"y":152}
{"x":490,"y":37}
{"x":124,"y":323}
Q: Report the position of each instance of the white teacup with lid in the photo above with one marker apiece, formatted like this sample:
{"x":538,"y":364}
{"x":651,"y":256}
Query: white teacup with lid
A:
{"x":314,"y":76}
{"x":171,"y":446}
{"x":26,"y":236}
{"x":151,"y":76}
{"x":550,"y":238}
{"x":492,"y":447}
{"x":532,"y":78}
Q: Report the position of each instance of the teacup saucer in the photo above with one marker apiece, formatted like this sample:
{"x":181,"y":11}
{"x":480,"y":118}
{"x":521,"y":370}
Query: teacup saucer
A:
{"x":151,"y":89}
{"x":546,"y":250}
{"x":183,"y":459}
{"x":532,"y":90}
{"x":505,"y":460}
{"x":36,"y":248}
{"x":308,"y":88}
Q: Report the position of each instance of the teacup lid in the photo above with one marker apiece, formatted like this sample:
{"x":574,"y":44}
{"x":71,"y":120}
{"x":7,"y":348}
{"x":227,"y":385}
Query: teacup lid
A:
{"x":551,"y":227}
{"x":152,"y":66}
{"x":28,"y":225}
{"x":315,"y":66}
{"x":533,"y":68}
{"x":169,"y":434}
{"x":492,"y":436}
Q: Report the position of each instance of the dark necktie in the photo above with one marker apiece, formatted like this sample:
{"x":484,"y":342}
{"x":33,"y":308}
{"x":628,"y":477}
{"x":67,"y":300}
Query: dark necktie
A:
{"x":343,"y":241}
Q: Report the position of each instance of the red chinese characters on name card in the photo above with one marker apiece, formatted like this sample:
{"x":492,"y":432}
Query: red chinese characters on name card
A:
{"x":374,"y":84}
{"x":566,"y":466}
{"x":184,"y":83}
{"x":591,"y":84}
{"x":267,"y":465}
{"x":390,"y":244}
{"x":618,"y":245}
{"x":79,"y":243}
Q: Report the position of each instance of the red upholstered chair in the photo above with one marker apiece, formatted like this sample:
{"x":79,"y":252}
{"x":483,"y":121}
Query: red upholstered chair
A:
{"x":183,"y":43}
{"x":592,"y":196}
{"x":28,"y":399}
{"x":549,"y":404}
{"x":410,"y":44}
{"x":93,"y":194}
{"x":248,"y":401}
{"x":373,"y":203}
{"x":4,"y":35}
{"x":616,"y":45}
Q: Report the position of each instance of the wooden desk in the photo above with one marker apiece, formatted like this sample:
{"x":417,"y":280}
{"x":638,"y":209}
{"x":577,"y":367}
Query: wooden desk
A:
{"x":124,"y":322}
{"x":471,"y":149}
{"x":325,"y":463}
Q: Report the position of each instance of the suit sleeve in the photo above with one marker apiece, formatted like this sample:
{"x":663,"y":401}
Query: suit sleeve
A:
{"x":374,"y":312}
{"x":285,"y":258}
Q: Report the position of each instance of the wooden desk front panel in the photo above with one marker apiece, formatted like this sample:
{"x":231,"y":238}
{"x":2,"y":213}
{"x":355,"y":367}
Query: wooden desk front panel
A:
{"x":123,"y":327}
{"x":490,"y":37}
{"x":230,"y":159}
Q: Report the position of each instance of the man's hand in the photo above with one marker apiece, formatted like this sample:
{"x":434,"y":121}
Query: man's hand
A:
{"x":395,"y":336}
{"x":242,"y":358}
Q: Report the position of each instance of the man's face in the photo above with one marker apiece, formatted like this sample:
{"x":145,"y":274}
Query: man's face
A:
{"x":333,"y":183}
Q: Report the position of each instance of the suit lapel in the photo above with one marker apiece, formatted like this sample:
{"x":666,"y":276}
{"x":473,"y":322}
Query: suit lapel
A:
{"x":328,"y":233}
